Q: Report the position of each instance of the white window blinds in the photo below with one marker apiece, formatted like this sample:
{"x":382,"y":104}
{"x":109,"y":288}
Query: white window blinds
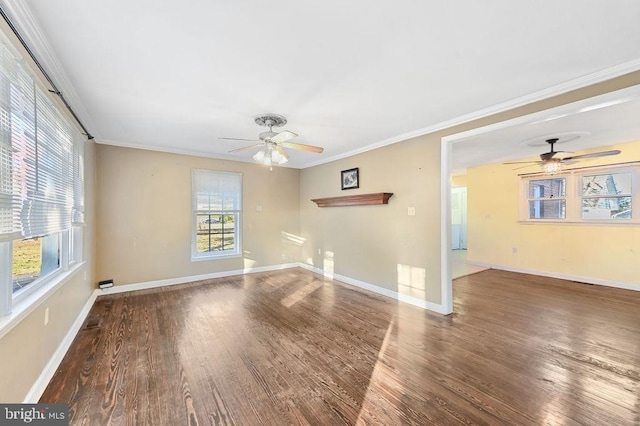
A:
{"x":217,"y":191}
{"x":41,"y":191}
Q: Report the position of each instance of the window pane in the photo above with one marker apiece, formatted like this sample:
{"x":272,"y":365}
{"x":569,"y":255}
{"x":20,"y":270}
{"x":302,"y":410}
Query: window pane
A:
{"x":607,"y":184}
{"x":547,"y":188}
{"x":216,"y":232}
{"x":547,"y":209}
{"x":606,"y":208}
{"x":34,"y":258}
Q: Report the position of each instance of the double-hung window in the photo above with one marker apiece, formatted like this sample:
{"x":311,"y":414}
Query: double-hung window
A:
{"x":597,"y":195}
{"x":547,"y":198}
{"x":607,"y":196}
{"x":217,"y":209}
{"x":41,"y":186}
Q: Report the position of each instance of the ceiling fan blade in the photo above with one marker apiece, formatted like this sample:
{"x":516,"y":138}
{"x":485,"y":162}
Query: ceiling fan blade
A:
{"x":522,"y":162}
{"x":595,"y":154}
{"x":247,"y":147}
{"x":282,"y":151}
{"x":561,"y":155}
{"x":241,"y":139}
{"x":283,"y":136}
{"x":302,"y":147}
{"x":528,"y":165}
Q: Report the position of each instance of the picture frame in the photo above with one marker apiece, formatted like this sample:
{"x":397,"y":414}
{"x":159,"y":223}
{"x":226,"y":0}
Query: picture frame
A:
{"x":350,"y":178}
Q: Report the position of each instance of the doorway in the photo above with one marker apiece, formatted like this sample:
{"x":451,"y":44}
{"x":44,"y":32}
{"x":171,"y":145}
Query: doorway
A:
{"x":459,"y":218}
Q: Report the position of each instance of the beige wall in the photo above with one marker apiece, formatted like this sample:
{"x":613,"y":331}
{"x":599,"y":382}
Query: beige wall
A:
{"x":381,"y":245}
{"x":145,"y":216}
{"x":601,"y":252}
{"x":27,"y":348}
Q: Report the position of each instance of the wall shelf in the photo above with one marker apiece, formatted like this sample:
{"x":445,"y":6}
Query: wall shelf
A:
{"x":354,"y":200}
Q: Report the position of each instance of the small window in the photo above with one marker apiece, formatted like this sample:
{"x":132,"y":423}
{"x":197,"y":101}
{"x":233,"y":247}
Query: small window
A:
{"x":606,"y":196}
{"x":217,"y":208}
{"x":34,"y":258}
{"x":547,"y":198}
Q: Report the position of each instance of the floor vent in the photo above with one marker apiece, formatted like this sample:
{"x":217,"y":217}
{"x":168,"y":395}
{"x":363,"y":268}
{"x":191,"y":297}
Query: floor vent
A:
{"x":92,"y":323}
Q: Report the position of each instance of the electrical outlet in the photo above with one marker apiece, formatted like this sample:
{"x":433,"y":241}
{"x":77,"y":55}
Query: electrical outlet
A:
{"x":319,"y":251}
{"x":514,"y":249}
{"x":411,"y":211}
{"x":46,"y":316}
{"x":258,"y":208}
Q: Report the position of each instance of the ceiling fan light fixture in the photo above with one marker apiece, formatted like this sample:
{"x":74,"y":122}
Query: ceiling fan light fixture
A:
{"x":551,"y":166}
{"x":269,"y":157}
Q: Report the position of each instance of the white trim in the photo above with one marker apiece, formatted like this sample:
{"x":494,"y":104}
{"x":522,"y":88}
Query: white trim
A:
{"x":446,"y":273}
{"x":32,"y":301}
{"x":568,"y":277}
{"x":346,"y":280}
{"x":189,"y":152}
{"x":559,"y":89}
{"x":49,"y":370}
{"x":424,"y":304}
{"x":183,"y":280}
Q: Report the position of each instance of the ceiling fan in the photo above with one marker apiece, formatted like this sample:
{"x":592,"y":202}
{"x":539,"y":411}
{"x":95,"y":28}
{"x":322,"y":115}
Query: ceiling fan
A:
{"x":273,"y":143}
{"x":553,"y":161}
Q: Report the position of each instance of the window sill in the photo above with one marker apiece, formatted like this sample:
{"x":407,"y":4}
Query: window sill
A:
{"x":27,"y":305}
{"x":574,"y":222}
{"x":221,"y":256}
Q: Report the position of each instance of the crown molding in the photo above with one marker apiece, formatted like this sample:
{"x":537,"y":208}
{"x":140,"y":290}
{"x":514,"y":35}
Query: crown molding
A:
{"x":28,"y":27}
{"x":559,"y":89}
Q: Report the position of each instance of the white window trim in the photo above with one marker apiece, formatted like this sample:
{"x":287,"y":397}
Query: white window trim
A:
{"x":214,"y":255}
{"x":573,"y":195}
{"x":28,"y":304}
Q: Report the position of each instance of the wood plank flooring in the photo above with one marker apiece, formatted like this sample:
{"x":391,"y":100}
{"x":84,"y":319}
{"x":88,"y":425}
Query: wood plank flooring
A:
{"x":291,"y":347}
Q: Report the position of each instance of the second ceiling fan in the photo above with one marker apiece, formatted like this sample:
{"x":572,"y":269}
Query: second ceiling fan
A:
{"x":553,"y":161}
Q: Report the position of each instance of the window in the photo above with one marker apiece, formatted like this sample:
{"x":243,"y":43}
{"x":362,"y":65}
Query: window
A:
{"x":607,"y":196}
{"x":547,"y":198}
{"x":217,"y":208}
{"x":590,"y":195}
{"x":41,"y":186}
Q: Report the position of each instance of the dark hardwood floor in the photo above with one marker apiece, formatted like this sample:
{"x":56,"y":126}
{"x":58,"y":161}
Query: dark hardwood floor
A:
{"x":291,"y":347}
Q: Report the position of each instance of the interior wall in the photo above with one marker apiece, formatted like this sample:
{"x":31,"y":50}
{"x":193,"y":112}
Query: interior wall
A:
{"x":145,"y":215}
{"x":603,"y":252}
{"x":458,"y":181}
{"x":380,"y":245}
{"x":27,"y":348}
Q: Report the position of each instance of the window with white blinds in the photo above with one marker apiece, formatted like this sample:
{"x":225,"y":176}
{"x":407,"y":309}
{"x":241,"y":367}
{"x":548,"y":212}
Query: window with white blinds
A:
{"x":41,"y":186}
{"x":41,"y":191}
{"x":217,"y":206}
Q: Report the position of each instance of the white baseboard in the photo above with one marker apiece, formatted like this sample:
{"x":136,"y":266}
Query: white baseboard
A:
{"x":424,"y":304}
{"x":578,"y":278}
{"x":183,"y":280}
{"x":49,"y":370}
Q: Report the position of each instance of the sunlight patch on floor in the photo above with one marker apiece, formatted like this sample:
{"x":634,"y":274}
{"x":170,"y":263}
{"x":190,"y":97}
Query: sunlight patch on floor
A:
{"x":300,"y":294}
{"x":371,"y":400}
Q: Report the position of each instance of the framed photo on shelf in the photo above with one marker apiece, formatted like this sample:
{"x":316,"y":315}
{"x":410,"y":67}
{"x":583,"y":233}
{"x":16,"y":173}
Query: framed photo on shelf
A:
{"x":350,"y":178}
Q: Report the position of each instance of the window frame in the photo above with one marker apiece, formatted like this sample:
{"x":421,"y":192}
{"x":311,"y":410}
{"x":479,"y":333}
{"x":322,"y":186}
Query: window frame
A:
{"x":60,"y":159}
{"x":542,"y":199}
{"x":195,"y":212}
{"x":574,"y":195}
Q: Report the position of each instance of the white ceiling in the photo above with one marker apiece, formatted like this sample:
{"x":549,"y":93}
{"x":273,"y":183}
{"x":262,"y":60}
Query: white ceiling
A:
{"x":349,"y":76}
{"x":613,"y":118}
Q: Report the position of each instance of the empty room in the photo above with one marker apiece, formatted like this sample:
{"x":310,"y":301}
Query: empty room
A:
{"x":329,"y":213}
